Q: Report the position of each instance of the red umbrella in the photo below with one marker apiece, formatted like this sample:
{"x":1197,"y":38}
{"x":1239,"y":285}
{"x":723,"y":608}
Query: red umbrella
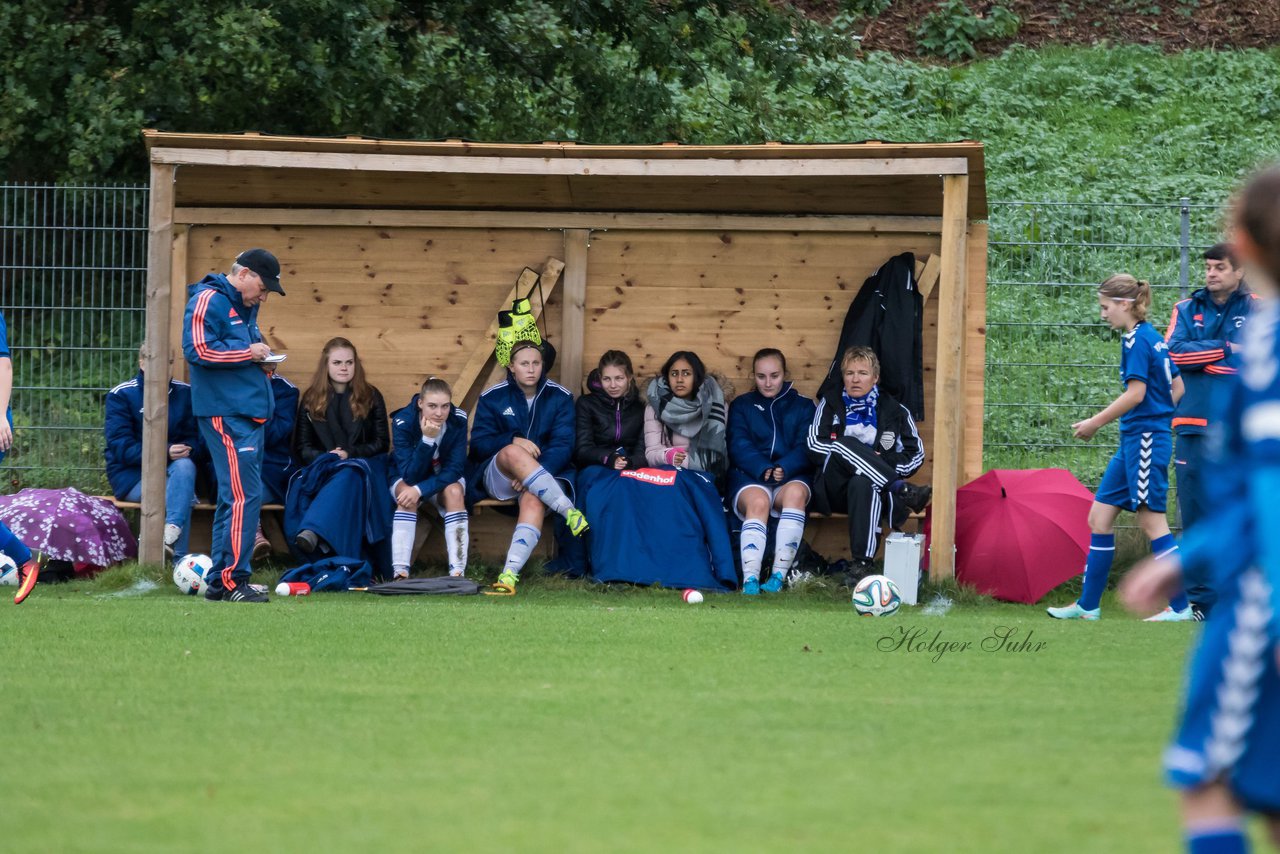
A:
{"x":1021,"y":533}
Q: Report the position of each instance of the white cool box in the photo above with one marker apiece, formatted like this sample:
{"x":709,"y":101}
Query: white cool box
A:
{"x":902,"y":563}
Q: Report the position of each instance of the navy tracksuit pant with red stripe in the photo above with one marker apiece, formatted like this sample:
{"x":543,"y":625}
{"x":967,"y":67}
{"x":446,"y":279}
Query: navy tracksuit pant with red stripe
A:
{"x":235,"y":444}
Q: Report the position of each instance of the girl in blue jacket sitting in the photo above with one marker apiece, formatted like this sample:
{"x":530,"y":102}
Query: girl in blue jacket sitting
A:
{"x":430,"y":436}
{"x":522,"y":448}
{"x":769,"y":469}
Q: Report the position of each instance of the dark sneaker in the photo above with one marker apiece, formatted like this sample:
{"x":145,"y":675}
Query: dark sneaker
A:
{"x":915,"y":497}
{"x":214,"y":594}
{"x":28,"y":574}
{"x":245,"y":593}
{"x":1199,"y":613}
{"x":858,"y":570}
{"x":307,"y":541}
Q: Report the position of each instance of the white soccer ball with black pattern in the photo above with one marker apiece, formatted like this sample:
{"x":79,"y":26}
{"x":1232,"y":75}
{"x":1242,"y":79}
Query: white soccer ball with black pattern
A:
{"x":8,"y":571}
{"x":876,"y":596}
{"x":190,"y":573}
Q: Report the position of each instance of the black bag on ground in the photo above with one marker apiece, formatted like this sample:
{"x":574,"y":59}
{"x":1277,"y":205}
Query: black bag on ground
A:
{"x":442,"y":586}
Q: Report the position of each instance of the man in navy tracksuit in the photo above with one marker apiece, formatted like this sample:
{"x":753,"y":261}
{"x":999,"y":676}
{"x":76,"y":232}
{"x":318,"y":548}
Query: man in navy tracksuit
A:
{"x":123,"y":451}
{"x":1203,"y":336}
{"x":232,"y":400}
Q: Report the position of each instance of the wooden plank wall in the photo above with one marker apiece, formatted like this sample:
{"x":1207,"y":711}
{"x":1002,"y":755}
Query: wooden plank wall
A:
{"x":416,"y":300}
{"x":725,"y":295}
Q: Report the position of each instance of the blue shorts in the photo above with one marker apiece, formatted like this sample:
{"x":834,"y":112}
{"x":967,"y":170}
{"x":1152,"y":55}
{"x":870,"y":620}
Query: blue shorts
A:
{"x":1230,"y":729}
{"x":1138,"y":472}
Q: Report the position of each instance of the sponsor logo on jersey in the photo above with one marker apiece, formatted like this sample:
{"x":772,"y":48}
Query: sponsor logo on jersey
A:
{"x":509,"y":411}
{"x":657,"y":477}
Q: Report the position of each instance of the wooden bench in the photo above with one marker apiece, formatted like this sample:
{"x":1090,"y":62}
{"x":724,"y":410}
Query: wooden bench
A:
{"x":270,"y":520}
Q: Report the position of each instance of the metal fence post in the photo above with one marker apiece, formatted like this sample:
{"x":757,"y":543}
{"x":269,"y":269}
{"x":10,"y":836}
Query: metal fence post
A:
{"x":1184,"y":247}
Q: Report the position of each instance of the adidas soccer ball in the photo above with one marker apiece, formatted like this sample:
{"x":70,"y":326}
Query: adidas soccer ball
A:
{"x":8,"y":571}
{"x":876,"y":596}
{"x":190,"y":572}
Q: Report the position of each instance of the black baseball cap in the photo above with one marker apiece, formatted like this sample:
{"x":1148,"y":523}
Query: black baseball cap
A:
{"x":265,"y":265}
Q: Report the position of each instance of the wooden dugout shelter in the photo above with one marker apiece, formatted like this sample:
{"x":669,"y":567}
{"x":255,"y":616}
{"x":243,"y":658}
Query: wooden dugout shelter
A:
{"x":410,"y":248}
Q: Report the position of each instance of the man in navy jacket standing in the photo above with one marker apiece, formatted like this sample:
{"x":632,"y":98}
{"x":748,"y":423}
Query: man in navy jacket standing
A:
{"x":1203,"y":337}
{"x":232,"y":400}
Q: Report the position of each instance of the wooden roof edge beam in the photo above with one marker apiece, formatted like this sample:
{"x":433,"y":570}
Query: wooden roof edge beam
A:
{"x":569,"y":166}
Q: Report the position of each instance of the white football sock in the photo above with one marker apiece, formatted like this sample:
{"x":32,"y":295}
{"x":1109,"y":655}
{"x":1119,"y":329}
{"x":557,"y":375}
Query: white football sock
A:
{"x":751,"y":544}
{"x":787,"y":543}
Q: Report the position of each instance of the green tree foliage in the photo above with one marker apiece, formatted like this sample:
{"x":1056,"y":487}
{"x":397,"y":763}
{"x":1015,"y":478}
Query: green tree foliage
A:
{"x":82,"y":78}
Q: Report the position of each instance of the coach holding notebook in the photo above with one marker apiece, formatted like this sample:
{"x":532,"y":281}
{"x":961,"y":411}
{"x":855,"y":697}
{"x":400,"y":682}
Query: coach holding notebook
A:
{"x":232,"y":400}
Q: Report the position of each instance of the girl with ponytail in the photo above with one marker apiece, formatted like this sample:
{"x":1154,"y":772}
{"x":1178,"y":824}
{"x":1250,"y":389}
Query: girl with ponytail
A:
{"x":1137,"y":478}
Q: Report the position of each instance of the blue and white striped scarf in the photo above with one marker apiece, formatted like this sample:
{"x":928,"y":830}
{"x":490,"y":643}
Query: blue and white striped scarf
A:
{"x":860,"y":415}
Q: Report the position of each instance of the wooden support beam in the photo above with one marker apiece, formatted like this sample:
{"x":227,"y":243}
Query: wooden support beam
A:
{"x":476,"y":367}
{"x":602,"y":220}
{"x":927,"y":276}
{"x":178,"y":302}
{"x":555,"y":165}
{"x":576,"y":241}
{"x":155,"y":395}
{"x":949,"y":387}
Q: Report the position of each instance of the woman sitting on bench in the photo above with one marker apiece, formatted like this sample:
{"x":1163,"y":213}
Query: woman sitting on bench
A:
{"x":430,"y":455}
{"x":770,"y":467}
{"x":338,"y":504}
{"x":522,"y":448}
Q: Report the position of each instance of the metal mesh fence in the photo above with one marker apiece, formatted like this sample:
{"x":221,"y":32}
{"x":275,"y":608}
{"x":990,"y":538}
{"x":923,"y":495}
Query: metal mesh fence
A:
{"x":72,"y":288}
{"x":1050,"y":360}
{"x":73,"y":284}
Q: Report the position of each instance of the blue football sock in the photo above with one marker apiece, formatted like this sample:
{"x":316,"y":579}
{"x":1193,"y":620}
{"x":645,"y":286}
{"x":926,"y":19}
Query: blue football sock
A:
{"x":1102,"y":549}
{"x":1166,"y":546}
{"x":1217,"y":840}
{"x":11,"y":545}
{"x":542,"y":484}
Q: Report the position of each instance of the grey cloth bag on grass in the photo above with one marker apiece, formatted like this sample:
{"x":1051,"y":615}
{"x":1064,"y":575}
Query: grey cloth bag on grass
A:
{"x":444,"y":585}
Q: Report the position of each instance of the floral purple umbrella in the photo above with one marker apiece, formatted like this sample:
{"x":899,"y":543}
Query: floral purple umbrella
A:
{"x":68,"y":525}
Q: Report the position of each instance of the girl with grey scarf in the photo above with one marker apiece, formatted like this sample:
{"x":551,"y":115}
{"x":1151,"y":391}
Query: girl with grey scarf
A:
{"x":684,"y":419}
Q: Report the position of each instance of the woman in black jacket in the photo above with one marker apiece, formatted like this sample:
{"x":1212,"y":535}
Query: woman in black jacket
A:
{"x":610,"y":417}
{"x":340,"y":412}
{"x":341,"y":418}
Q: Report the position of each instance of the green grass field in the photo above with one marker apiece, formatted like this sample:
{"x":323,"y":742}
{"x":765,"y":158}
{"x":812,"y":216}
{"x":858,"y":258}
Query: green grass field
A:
{"x":576,"y":718}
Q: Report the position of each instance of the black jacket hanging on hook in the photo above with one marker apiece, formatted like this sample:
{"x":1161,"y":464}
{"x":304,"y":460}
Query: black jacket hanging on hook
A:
{"x":887,"y":315}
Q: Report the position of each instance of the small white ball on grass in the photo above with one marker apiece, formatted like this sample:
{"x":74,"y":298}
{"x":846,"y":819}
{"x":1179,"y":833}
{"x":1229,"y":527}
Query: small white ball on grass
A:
{"x":693,"y":597}
{"x":282,"y":589}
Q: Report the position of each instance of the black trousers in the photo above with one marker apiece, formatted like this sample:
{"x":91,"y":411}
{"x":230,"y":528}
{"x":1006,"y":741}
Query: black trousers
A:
{"x":859,"y":487}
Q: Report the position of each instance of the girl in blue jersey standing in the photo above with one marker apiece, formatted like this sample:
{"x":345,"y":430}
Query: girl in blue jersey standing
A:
{"x":1226,"y":752}
{"x":1137,"y":478}
{"x":769,"y":469}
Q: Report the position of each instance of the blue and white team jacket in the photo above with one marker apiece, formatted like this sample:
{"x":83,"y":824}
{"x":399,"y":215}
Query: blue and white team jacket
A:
{"x":430,"y":465}
{"x":123,"y":431}
{"x":768,"y":432}
{"x":503,"y":413}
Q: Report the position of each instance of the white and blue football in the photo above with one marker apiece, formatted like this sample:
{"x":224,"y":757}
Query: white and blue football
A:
{"x":190,"y":572}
